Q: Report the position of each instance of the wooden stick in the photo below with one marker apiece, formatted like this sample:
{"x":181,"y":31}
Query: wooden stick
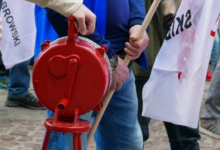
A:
{"x":99,"y":116}
{"x":108,"y":97}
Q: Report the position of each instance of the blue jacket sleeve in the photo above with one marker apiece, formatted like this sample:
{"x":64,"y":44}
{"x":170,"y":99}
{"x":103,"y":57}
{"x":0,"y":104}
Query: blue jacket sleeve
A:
{"x":60,"y":23}
{"x":137,"y":12}
{"x":99,"y":39}
{"x":137,"y":15}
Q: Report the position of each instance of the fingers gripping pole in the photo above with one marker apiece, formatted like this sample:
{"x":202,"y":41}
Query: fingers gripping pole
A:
{"x":127,"y":60}
{"x":145,"y":24}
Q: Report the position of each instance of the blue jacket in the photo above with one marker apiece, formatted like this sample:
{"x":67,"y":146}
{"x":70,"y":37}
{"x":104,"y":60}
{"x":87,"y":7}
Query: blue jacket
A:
{"x":113,"y":37}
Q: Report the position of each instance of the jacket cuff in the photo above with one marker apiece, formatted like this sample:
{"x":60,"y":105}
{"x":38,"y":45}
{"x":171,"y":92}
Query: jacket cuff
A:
{"x":135,"y":21}
{"x":65,"y":7}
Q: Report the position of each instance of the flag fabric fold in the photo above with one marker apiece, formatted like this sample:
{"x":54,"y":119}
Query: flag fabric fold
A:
{"x":19,"y":32}
{"x":175,"y":88}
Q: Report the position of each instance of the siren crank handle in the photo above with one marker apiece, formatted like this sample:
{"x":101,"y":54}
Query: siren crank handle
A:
{"x":108,"y":97}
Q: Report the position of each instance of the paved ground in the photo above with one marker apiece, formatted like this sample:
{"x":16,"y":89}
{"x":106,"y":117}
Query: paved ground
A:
{"x":22,"y":129}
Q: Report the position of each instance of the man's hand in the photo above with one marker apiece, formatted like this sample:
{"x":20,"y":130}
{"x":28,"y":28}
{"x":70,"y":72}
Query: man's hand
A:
{"x":135,"y":46}
{"x":119,"y":75}
{"x":1,"y":28}
{"x":85,"y":20}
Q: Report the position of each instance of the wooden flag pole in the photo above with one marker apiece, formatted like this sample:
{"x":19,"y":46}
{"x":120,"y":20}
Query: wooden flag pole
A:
{"x":108,"y":97}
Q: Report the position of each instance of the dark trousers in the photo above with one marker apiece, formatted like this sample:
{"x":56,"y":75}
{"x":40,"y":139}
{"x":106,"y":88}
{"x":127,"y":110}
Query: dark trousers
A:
{"x":3,"y":71}
{"x":19,"y":80}
{"x":144,"y":121}
{"x":180,"y":137}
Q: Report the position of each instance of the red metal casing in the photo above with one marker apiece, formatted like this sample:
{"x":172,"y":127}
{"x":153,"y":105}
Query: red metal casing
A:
{"x":71,"y":74}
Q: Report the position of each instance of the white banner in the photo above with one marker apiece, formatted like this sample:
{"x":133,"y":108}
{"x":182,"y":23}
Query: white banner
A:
{"x":175,"y":88}
{"x":19,"y":32}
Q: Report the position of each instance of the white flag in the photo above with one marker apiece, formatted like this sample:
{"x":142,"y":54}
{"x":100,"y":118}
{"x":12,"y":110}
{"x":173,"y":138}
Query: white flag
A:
{"x":175,"y":88}
{"x":19,"y":32}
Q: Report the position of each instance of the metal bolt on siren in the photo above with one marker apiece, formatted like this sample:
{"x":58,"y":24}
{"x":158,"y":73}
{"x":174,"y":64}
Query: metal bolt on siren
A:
{"x":71,"y":76}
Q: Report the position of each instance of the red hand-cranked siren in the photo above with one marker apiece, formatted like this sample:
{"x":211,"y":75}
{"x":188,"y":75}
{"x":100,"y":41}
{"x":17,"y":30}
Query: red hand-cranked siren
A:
{"x":71,"y":76}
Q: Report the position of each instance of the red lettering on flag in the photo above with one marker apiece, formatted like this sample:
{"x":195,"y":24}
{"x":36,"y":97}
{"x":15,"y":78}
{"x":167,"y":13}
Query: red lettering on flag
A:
{"x":212,"y":33}
{"x":217,"y":18}
{"x":179,"y":75}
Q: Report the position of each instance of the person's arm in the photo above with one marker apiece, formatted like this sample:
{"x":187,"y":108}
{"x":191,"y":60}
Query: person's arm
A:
{"x":121,"y":73}
{"x":99,"y":39}
{"x":84,"y":17}
{"x":135,"y":46}
{"x":64,"y":7}
{"x":137,"y":12}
